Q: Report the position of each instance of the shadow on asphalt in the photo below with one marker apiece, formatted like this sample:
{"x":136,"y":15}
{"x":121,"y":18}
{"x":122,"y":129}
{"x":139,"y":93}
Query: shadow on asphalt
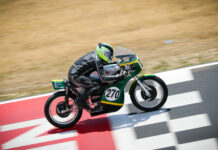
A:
{"x":101,"y":124}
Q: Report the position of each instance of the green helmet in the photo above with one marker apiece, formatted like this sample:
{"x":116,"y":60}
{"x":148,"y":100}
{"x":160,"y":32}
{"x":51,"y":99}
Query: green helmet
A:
{"x":105,"y":52}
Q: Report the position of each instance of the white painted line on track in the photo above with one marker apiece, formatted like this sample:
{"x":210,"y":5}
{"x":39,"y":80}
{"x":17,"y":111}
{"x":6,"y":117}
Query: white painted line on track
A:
{"x":208,"y":144}
{"x":181,"y":74}
{"x":24,"y":124}
{"x":72,"y":145}
{"x":183,"y":99}
{"x":33,"y":136}
{"x":156,"y":142}
{"x":190,"y":122}
{"x":150,"y":118}
{"x":193,"y":67}
{"x":176,"y":76}
{"x":25,"y":98}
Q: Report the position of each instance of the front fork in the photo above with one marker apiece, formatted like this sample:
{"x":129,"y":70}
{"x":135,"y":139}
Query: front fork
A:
{"x":67,"y":96}
{"x":68,"y":106}
{"x":144,"y":87}
{"x":66,"y":93}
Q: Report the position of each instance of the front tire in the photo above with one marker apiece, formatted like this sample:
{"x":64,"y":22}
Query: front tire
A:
{"x":53,"y":111}
{"x":158,"y":91}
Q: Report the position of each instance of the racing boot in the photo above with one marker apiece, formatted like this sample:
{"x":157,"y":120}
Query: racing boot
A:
{"x":98,"y":110}
{"x":81,"y":100}
{"x":82,"y":104}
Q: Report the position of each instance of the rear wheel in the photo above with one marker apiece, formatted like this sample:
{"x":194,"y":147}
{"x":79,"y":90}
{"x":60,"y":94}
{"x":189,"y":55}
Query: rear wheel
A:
{"x":58,"y":114}
{"x":158,"y":93}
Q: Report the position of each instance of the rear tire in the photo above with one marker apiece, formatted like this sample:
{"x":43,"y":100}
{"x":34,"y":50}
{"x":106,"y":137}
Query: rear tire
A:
{"x":52,"y":120}
{"x":153,"y":92}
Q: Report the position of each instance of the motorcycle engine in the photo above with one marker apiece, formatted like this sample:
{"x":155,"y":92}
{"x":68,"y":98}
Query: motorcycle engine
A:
{"x":112,"y":69}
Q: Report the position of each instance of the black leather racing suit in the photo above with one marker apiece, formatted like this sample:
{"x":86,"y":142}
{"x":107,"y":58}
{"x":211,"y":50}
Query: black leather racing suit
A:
{"x":80,"y":71}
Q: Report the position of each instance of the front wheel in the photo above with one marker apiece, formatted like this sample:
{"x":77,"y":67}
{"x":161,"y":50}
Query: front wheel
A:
{"x":58,"y":114}
{"x":158,"y":93}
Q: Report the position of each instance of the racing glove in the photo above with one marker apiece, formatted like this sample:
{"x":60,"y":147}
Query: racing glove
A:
{"x":122,"y":75}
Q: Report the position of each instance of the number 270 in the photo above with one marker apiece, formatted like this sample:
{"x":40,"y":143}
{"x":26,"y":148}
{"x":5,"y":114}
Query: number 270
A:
{"x":112,"y":93}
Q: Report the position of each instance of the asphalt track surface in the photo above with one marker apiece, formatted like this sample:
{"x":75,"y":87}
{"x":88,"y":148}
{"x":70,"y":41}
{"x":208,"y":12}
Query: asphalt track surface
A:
{"x":187,"y":121}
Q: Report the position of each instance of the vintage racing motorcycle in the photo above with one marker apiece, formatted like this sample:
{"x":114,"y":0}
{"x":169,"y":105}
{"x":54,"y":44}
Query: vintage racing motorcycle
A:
{"x":147,"y":92}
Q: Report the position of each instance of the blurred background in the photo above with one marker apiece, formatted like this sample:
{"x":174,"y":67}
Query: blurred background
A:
{"x":41,"y":39}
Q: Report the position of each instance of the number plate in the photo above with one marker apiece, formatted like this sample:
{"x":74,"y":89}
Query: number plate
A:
{"x":112,"y":94}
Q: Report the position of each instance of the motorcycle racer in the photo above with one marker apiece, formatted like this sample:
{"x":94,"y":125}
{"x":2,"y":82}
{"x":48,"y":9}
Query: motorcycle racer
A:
{"x":93,"y":61}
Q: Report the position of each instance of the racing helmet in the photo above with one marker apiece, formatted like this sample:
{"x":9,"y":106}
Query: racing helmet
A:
{"x":105,"y":52}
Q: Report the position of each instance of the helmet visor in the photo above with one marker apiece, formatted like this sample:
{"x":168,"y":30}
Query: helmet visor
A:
{"x":108,"y":55}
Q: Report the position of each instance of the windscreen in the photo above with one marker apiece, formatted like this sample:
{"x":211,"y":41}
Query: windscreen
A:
{"x":122,"y":51}
{"x":123,"y":54}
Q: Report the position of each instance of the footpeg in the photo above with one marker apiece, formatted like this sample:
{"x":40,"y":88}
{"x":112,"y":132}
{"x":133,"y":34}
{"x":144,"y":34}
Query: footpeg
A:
{"x":95,"y":112}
